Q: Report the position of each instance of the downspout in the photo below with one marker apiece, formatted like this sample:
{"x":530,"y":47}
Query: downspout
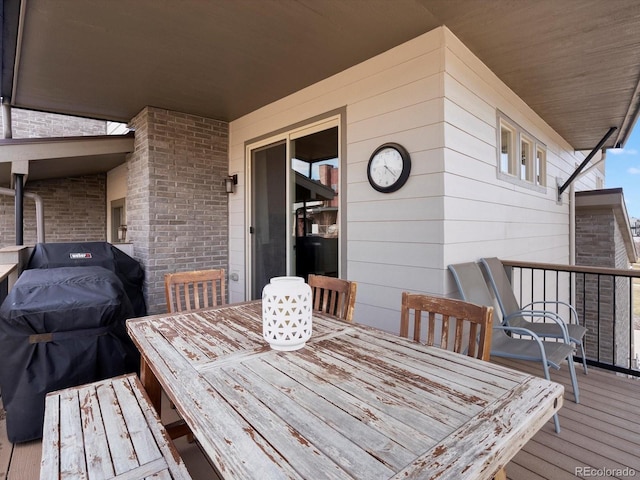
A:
{"x":572,"y":225}
{"x":6,"y":118}
{"x":18,"y":180}
{"x":39,"y":210}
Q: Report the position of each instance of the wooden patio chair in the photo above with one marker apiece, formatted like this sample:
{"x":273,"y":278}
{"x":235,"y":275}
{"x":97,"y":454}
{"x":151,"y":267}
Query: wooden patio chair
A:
{"x":193,"y":290}
{"x":334,"y":296}
{"x":516,"y":316}
{"x":459,"y":326}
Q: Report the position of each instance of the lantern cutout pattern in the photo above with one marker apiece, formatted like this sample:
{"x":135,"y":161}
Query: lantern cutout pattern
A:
{"x":286,"y":313}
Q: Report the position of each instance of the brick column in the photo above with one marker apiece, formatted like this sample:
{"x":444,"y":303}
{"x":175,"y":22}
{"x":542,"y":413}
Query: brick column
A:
{"x":177,"y":213}
{"x":599,"y":243}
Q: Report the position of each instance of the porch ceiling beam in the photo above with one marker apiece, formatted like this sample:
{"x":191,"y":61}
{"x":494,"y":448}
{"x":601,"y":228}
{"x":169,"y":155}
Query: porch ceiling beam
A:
{"x":585,"y":162}
{"x":14,"y":150}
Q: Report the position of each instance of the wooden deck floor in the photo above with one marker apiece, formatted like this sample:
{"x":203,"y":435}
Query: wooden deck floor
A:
{"x":601,"y":434}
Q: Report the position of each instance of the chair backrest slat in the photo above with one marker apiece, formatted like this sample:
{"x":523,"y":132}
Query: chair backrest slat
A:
{"x":471,"y":323}
{"x":334,"y":296}
{"x":187,"y":291}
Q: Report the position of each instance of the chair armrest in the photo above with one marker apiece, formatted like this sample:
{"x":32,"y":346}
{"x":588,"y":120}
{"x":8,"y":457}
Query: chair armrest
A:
{"x":545,"y":314}
{"x":573,"y":313}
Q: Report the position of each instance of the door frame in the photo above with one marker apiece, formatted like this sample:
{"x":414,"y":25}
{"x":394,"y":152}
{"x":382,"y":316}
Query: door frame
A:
{"x":288,"y":135}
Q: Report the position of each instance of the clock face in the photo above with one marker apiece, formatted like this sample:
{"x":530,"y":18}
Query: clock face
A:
{"x":388,"y":168}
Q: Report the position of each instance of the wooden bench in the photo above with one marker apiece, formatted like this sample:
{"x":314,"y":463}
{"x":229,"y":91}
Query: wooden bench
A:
{"x":106,"y":429}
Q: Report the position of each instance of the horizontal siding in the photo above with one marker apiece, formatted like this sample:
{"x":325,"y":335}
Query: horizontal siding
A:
{"x":396,"y":253}
{"x":425,"y":232}
{"x":486,"y":215}
{"x":394,"y":277}
{"x":391,"y":240}
{"x":436,"y":98}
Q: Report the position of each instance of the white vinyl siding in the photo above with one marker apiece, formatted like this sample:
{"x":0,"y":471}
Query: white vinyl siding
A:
{"x":501,"y":215}
{"x":439,"y":101}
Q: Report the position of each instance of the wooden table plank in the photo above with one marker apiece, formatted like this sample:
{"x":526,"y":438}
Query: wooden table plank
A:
{"x":310,"y":445}
{"x":285,"y":393}
{"x":120,"y":445}
{"x":355,"y":402}
{"x":51,"y":458}
{"x":502,"y":429}
{"x":96,"y":446}
{"x":367,"y":410}
{"x":193,"y":397}
{"x":72,"y":465}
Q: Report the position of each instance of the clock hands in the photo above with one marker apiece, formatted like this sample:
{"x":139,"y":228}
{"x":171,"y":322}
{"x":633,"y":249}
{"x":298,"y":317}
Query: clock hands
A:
{"x":391,"y":171}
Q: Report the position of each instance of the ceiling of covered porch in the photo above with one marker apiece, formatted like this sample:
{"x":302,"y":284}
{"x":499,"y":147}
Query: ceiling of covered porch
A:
{"x":575,"y":62}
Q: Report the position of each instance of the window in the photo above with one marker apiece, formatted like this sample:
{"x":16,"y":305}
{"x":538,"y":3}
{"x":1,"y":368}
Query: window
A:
{"x":541,"y":166}
{"x":521,"y":159}
{"x":507,"y":148}
{"x":118,"y":221}
{"x":526,"y":159}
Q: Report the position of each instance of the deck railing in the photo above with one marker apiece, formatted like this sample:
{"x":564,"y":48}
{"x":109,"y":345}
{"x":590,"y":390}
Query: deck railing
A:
{"x":603,"y":298}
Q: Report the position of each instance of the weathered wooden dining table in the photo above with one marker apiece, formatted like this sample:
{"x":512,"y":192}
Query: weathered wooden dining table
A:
{"x":355,"y":402}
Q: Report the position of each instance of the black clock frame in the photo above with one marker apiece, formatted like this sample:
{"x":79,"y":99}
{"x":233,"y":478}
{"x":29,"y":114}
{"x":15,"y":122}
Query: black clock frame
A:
{"x":406,"y":168}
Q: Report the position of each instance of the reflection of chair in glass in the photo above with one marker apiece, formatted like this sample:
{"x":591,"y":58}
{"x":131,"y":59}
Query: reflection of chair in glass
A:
{"x":193,"y":290}
{"x":334,"y":296}
{"x":516,"y":316}
{"x":473,"y":288}
{"x":468,"y":324}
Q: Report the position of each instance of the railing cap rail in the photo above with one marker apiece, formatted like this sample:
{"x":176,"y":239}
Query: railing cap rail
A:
{"x":6,"y":270}
{"x":573,"y":268}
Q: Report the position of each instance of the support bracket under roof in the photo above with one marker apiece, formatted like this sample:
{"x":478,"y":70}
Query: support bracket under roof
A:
{"x":573,"y":176}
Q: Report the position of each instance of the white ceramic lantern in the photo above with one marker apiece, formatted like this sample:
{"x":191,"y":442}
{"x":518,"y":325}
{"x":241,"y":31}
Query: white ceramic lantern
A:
{"x":286,"y":313}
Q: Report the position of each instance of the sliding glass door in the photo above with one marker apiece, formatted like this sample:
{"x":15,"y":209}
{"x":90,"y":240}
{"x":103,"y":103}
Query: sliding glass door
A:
{"x":294,"y":207}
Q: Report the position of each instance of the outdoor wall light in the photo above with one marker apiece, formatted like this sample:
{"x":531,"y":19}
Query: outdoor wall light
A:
{"x":230,"y":182}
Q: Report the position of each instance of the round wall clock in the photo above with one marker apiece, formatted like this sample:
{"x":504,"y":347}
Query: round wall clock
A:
{"x":389,"y":167}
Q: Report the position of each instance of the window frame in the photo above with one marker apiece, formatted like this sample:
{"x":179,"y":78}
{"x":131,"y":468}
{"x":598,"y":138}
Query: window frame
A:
{"x":526,"y":158}
{"x":511,"y":156}
{"x":533,"y":173}
{"x":540,"y":171}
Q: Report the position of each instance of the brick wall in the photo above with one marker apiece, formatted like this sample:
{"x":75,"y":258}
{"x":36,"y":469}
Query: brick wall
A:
{"x":176,"y":201}
{"x":605,"y":307}
{"x":74,"y":208}
{"x":30,"y":124}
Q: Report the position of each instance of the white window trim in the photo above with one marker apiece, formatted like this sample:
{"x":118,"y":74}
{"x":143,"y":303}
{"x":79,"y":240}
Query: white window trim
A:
{"x":543,"y":166}
{"x":513,"y":176}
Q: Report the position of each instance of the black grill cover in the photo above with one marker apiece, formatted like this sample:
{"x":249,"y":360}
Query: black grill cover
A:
{"x":60,"y":327}
{"x":101,"y":254}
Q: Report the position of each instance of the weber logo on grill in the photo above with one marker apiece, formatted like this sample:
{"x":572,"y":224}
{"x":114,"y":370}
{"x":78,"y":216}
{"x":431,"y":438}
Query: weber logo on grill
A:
{"x":79,"y":256}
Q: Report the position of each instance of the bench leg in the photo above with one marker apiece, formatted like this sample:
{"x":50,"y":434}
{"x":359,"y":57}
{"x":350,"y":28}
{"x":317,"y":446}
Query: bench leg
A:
{"x":151,"y":386}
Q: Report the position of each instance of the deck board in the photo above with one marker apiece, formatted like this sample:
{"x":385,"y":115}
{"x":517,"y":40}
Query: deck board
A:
{"x":603,"y":431}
